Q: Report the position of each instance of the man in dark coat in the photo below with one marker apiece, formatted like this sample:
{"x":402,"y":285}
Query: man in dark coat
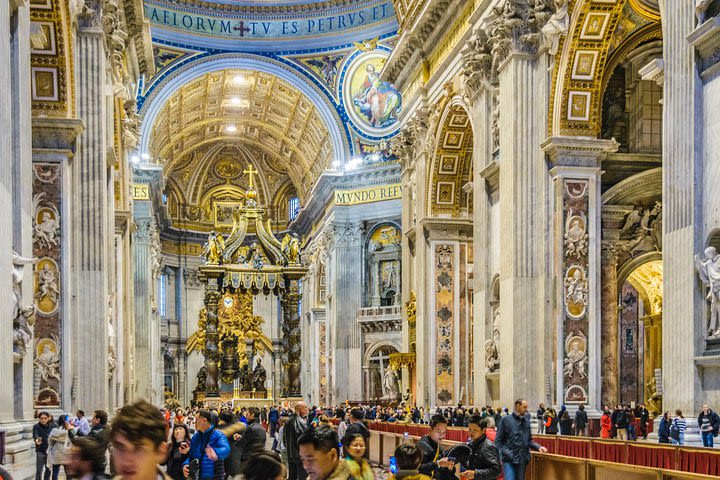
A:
{"x":41,"y":431}
{"x":484,"y":461}
{"x":644,"y":415}
{"x":294,"y":428}
{"x":435,"y":463}
{"x":514,"y":441}
{"x":581,"y":421}
{"x":709,"y":423}
{"x":253,"y":440}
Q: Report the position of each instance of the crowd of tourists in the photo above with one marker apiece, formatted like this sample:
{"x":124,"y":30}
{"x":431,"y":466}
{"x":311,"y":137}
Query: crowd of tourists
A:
{"x":298,"y":443}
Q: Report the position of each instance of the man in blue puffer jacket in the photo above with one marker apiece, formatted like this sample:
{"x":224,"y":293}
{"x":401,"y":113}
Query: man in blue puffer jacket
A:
{"x":210,"y":447}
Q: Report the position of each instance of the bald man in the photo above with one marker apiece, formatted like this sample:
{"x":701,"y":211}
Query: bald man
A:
{"x":295,"y":427}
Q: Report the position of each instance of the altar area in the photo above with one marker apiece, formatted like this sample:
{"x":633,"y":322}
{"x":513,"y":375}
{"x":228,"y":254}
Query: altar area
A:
{"x":248,"y":262}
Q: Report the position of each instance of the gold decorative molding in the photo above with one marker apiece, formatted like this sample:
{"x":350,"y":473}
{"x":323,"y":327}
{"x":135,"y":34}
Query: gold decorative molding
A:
{"x":400,"y":360}
{"x":583,"y":66}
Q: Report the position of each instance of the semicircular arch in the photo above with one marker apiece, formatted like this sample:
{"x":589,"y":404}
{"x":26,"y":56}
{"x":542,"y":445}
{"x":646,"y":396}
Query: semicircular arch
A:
{"x":163,"y":90}
{"x":451,"y":165}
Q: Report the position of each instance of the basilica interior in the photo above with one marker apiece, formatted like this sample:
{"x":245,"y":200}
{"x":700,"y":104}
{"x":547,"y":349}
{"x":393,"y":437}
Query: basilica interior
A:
{"x":436,"y":202}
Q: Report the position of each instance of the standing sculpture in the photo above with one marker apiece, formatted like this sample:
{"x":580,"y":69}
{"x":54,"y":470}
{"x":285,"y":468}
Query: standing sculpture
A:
{"x":708,"y":268}
{"x":259,"y":377}
{"x":23,"y":316}
{"x":390,"y":385}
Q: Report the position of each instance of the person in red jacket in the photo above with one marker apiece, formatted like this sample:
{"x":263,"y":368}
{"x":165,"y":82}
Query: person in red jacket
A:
{"x":605,"y":424}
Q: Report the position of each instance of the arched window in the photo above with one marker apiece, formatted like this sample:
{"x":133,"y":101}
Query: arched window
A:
{"x":293,"y":208}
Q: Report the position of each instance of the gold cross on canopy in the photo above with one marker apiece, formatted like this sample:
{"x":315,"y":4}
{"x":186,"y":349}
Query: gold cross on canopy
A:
{"x":250,"y":172}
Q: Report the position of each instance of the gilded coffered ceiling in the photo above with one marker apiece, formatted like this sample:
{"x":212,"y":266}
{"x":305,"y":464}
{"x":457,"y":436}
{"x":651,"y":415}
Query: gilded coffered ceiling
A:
{"x":648,"y":280}
{"x":259,"y":112}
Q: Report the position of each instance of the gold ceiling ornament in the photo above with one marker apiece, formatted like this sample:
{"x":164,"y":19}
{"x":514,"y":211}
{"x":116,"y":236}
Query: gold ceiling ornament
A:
{"x":274,"y":119}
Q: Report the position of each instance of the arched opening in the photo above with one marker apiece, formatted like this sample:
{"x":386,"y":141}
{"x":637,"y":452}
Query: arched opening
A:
{"x":383,"y":266}
{"x":640,"y":330}
{"x":379,"y":378}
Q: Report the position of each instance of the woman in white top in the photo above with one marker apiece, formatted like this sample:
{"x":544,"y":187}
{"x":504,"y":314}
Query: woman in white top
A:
{"x":59,"y":445}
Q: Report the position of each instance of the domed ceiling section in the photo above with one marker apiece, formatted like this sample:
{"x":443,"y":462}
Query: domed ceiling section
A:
{"x":209,"y":130}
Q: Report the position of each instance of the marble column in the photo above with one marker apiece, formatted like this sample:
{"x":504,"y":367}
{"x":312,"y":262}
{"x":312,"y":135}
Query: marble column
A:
{"x":291,"y":338}
{"x":610,"y":393}
{"x":421,"y":271}
{"x":479,"y":93}
{"x":143,"y":354}
{"x":577,"y":229}
{"x":90,"y":235}
{"x":15,"y":231}
{"x":277,"y":382}
{"x":524,"y":282}
{"x":346,"y":257}
{"x":683,"y":301}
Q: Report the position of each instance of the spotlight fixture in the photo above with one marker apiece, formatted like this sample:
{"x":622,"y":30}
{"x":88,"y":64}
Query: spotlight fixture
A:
{"x":231,"y":128}
{"x":239,"y":79}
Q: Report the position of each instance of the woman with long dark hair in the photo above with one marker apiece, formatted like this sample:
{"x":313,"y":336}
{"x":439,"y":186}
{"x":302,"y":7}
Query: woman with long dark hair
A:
{"x":178,"y":452}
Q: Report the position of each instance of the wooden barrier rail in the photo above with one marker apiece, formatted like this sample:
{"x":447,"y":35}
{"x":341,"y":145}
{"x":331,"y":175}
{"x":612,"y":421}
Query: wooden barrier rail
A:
{"x":545,"y":466}
{"x":702,"y":461}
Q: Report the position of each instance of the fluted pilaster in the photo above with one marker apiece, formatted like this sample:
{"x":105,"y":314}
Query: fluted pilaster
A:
{"x":90,"y":235}
{"x":143,"y":312}
{"x":346,"y":255}
{"x":683,"y":305}
{"x":524,"y":281}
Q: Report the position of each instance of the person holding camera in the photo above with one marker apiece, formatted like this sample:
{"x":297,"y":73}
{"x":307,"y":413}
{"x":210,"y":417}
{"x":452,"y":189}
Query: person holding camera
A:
{"x":179,"y":450}
{"x":208,"y":448}
{"x":41,"y":431}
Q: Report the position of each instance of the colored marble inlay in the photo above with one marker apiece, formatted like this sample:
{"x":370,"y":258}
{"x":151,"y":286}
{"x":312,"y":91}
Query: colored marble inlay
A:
{"x":444,"y":320}
{"x":47,"y":245}
{"x":576,"y":287}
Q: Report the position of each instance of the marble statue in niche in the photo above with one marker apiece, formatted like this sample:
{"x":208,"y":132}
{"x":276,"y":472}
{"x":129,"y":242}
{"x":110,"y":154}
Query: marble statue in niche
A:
{"x":389,"y":276}
{"x":47,"y":358}
{"x":576,"y":291}
{"x":492,"y":361}
{"x":708,"y":267}
{"x":575,"y":356}
{"x":576,"y":236}
{"x":556,"y":26}
{"x":47,"y":223}
{"x":47,"y":284}
{"x":259,"y":376}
